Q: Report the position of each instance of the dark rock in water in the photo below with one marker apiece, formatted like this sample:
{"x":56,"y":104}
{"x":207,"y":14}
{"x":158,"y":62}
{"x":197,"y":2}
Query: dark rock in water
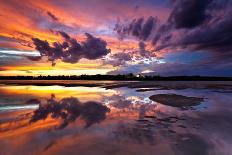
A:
{"x":176,"y":100}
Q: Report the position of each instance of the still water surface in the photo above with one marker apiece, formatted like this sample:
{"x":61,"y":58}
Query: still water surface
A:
{"x":61,"y":119}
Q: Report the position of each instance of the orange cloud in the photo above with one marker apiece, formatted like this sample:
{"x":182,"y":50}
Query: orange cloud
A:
{"x":22,"y":21}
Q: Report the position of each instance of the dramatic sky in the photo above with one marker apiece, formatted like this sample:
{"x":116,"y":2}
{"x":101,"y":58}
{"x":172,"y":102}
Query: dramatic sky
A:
{"x":73,"y":37}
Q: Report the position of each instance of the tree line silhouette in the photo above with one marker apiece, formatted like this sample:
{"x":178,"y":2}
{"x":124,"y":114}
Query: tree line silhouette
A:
{"x":129,"y":77}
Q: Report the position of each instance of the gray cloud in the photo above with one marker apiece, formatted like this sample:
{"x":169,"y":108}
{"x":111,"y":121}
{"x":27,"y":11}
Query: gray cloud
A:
{"x":118,"y":59}
{"x":192,"y":25}
{"x":70,"y":50}
{"x":189,"y":13}
{"x":216,"y":37}
{"x":140,"y":28}
{"x":125,"y":57}
{"x":198,"y":25}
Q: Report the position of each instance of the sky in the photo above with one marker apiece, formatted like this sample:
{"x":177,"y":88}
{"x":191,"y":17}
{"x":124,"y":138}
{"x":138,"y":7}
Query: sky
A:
{"x":154,"y":37}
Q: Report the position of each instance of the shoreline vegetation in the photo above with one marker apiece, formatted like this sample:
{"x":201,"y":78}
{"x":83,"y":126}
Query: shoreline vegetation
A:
{"x":127,"y":77}
{"x":139,"y":86}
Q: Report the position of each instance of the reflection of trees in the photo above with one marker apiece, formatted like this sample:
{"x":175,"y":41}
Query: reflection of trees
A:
{"x":69,"y":109}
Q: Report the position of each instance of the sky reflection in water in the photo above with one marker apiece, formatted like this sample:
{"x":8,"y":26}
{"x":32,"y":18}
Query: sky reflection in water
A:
{"x":87,"y":120}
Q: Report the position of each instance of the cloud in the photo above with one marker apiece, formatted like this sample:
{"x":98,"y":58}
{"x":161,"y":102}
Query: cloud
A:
{"x":34,"y":58}
{"x":139,"y":28}
{"x":189,"y":13}
{"x":162,"y":35}
{"x":216,"y":38}
{"x":198,"y":26}
{"x":176,"y":69}
{"x":147,"y":28}
{"x":33,"y":101}
{"x":52,"y":16}
{"x":126,"y":57}
{"x":185,"y":25}
{"x":64,"y":35}
{"x":143,"y":52}
{"x":118,"y":59}
{"x":70,"y":50}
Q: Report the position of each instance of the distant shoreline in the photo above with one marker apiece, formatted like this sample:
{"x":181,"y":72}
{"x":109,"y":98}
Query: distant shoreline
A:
{"x":128,"y":77}
{"x":138,"y":85}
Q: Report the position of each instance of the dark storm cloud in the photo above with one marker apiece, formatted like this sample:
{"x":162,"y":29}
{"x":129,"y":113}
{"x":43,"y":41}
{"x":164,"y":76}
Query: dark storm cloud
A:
{"x":70,"y":109}
{"x":147,"y":28}
{"x":192,"y":26}
{"x":163,"y":34}
{"x":52,"y":16}
{"x":198,"y":25}
{"x":70,"y":50}
{"x":216,"y":38}
{"x":94,"y":47}
{"x":185,"y":14}
{"x":189,"y":13}
{"x":139,"y":28}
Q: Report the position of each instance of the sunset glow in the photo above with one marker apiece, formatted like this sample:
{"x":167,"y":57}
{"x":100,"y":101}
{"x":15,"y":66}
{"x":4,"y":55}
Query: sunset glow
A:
{"x":94,"y":37}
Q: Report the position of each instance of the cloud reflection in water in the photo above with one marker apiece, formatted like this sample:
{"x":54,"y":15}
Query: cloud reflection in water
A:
{"x":69,"y":109}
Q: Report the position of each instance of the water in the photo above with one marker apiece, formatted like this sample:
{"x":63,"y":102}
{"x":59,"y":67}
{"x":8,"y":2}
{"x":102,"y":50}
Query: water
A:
{"x":87,"y":118}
